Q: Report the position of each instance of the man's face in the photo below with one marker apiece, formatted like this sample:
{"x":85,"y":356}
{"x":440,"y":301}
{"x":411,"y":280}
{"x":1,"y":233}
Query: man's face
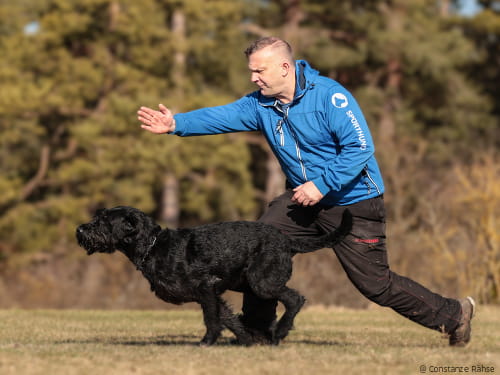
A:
{"x":267,"y":72}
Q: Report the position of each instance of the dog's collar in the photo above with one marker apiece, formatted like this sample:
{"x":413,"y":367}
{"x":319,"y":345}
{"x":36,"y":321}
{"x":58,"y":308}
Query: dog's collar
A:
{"x":146,"y":253}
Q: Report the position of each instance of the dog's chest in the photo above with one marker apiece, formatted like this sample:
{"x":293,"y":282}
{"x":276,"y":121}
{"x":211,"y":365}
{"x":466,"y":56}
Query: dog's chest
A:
{"x":172,"y":286}
{"x":173,"y":292}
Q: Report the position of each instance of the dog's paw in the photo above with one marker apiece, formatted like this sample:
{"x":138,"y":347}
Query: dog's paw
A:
{"x":275,"y":338}
{"x":205,"y":343}
{"x":242,"y":342}
{"x":208,"y":340}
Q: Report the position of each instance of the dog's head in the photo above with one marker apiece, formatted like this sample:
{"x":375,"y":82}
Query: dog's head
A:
{"x":113,"y":229}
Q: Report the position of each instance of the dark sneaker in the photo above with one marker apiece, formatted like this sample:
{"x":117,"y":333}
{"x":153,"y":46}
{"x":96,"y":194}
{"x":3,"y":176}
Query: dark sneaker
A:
{"x":461,"y":335}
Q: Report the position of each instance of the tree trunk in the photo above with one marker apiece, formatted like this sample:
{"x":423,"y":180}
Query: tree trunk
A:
{"x":444,"y":9}
{"x":170,"y":207}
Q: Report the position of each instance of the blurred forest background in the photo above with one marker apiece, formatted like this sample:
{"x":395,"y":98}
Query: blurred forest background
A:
{"x":74,"y":72}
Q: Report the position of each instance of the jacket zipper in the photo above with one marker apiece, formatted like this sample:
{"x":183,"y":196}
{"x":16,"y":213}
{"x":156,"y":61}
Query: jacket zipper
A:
{"x":279,"y":125}
{"x":297,"y":148}
{"x":279,"y":129}
{"x":367,"y":174}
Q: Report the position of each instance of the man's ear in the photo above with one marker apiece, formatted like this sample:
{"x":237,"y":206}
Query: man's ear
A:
{"x":285,"y":68}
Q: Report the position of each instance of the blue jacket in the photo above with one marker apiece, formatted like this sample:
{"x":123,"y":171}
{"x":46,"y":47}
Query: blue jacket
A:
{"x":321,"y":136}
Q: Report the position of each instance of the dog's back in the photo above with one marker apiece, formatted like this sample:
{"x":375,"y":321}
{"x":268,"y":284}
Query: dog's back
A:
{"x":228,"y":241}
{"x":220,"y":252}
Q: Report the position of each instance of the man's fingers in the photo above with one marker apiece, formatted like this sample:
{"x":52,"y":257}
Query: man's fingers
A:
{"x":149,"y":116}
{"x":163,"y":109}
{"x":146,"y":121}
{"x":301,"y":198}
{"x":147,"y":110}
{"x":143,"y":116}
{"x":298,"y":197}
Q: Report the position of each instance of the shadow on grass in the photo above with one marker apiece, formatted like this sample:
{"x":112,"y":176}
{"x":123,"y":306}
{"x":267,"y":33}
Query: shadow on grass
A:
{"x":188,"y":340}
{"x":170,"y":340}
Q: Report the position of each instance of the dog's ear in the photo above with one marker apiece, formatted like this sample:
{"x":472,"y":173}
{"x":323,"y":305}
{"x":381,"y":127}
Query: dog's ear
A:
{"x":132,"y":219}
{"x":125,"y":228}
{"x":130,"y":224}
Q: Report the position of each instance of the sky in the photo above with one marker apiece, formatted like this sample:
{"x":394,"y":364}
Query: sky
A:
{"x":469,"y":7}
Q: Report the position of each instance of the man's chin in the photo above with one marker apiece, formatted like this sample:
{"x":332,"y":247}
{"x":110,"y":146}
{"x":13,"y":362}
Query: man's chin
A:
{"x":266,"y":93}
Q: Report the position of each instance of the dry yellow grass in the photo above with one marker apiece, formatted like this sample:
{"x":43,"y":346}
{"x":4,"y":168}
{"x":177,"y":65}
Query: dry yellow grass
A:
{"x":326,"y":341}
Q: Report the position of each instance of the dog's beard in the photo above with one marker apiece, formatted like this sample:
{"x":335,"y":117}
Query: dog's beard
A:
{"x":97,"y":242}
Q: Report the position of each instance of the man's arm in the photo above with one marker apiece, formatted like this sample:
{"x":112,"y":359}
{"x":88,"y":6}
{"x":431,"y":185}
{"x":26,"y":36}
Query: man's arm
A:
{"x":237,"y":116}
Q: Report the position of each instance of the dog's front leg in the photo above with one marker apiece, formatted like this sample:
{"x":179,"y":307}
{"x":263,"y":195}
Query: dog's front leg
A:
{"x":211,"y":317}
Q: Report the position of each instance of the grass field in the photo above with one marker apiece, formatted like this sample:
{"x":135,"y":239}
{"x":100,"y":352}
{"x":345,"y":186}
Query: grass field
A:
{"x":326,"y":341}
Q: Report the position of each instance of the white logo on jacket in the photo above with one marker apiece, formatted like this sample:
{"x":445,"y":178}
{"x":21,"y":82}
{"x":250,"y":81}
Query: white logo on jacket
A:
{"x":357,"y":128}
{"x":339,"y":100}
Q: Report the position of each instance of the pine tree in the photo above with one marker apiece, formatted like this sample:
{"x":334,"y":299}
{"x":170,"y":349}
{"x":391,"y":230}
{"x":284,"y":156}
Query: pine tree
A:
{"x":70,"y":138}
{"x":483,"y":30}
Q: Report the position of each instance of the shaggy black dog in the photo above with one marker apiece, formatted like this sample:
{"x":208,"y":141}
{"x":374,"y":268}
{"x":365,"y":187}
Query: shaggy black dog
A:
{"x":199,"y":264}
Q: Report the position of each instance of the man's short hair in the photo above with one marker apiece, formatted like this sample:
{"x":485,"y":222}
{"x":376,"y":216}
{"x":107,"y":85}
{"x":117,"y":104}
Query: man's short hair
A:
{"x":269,"y":41}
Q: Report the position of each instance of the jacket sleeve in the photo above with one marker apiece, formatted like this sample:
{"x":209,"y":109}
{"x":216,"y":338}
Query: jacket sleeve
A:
{"x":238,"y":116}
{"x":348,"y":127}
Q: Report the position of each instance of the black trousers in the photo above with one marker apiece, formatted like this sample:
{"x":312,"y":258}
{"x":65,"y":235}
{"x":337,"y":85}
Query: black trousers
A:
{"x":363,"y":256}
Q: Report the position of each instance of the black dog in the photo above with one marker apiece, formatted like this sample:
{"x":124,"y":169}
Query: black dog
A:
{"x":199,"y":264}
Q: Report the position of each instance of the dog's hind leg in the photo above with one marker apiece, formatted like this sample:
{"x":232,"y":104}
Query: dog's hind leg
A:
{"x":233,"y":323}
{"x":293,"y":302}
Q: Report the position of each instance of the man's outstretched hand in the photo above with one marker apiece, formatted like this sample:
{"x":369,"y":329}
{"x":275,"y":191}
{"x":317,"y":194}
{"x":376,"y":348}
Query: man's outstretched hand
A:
{"x":157,"y":122}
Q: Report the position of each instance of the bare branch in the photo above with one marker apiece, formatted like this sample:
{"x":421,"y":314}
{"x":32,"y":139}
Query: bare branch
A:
{"x":255,"y":29}
{"x":43,"y":167}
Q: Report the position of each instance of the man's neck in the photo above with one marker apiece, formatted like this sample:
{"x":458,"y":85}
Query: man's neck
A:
{"x":288,"y":94}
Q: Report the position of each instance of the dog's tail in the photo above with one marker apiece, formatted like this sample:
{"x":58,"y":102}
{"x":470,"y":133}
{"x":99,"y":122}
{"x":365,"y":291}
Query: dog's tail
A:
{"x":307,"y":245}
